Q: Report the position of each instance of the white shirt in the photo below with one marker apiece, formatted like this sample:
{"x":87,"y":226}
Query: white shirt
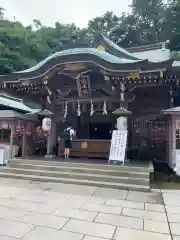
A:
{"x":71,"y":132}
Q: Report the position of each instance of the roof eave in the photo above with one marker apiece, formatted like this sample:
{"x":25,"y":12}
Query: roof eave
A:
{"x":69,"y":59}
{"x":115,"y":51}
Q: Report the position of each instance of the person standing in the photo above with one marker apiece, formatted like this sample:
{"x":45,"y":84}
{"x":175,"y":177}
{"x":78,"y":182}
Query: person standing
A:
{"x":68,"y":136}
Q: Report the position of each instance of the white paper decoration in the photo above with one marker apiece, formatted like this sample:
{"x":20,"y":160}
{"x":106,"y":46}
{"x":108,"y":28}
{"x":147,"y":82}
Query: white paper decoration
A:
{"x":78,"y":110}
{"x":105,"y":108}
{"x":92,"y":109}
{"x":66,"y":110}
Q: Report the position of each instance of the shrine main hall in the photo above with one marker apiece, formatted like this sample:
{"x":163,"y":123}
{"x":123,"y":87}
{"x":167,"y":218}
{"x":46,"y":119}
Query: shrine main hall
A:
{"x":90,"y":87}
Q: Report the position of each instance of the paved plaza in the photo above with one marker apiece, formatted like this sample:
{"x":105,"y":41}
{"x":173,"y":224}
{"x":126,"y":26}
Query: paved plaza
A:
{"x":43,"y":211}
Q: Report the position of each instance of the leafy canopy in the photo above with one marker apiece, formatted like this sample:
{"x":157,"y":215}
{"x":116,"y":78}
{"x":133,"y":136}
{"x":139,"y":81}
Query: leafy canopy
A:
{"x":150,"y":21}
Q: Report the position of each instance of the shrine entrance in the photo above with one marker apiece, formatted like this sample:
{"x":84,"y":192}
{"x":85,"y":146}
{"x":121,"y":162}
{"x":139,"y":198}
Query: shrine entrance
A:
{"x":100,"y":130}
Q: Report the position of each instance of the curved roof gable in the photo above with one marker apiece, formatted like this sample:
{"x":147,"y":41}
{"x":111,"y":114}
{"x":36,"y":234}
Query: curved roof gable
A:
{"x":154,"y":53}
{"x":115,"y":49}
{"x":84,"y":51}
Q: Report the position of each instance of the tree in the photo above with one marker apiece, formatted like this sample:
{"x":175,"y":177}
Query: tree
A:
{"x":149,"y":22}
{"x":149,"y":16}
{"x":1,"y":13}
{"x":172,"y":23}
{"x":105,"y":23}
{"x":20,"y":46}
{"x":37,"y":24}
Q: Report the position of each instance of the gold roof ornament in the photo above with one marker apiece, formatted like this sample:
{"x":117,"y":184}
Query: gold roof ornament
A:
{"x":74,"y":67}
{"x":100,"y":47}
{"x":133,"y":75}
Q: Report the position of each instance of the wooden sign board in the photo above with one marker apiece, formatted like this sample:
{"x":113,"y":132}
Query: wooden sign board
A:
{"x":84,"y":86}
{"x":74,"y":67}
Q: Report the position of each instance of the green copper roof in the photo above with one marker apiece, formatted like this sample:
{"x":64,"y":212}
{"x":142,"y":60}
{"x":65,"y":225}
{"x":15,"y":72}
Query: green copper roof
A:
{"x":15,"y":103}
{"x":80,"y":51}
{"x":122,"y":52}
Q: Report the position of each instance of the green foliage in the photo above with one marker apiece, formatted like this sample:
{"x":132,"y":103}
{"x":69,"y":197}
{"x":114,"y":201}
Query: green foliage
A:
{"x":149,"y":22}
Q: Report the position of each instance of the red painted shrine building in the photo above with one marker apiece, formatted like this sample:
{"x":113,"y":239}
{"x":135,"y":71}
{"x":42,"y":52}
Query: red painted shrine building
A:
{"x":90,"y":87}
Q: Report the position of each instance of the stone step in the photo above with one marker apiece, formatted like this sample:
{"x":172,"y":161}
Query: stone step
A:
{"x":77,"y":176}
{"x":72,"y":169}
{"x":84,"y":165}
{"x":102,"y":175}
{"x":76,"y":181}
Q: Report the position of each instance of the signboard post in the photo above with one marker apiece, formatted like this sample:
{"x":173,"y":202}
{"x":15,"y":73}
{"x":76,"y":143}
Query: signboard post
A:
{"x":118,"y":146}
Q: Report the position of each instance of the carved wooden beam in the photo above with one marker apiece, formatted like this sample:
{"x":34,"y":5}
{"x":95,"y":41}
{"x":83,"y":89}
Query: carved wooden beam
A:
{"x":88,"y":100}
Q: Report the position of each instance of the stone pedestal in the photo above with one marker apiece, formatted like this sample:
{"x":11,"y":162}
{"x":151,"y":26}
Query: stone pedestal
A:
{"x":51,"y":141}
{"x":50,"y":138}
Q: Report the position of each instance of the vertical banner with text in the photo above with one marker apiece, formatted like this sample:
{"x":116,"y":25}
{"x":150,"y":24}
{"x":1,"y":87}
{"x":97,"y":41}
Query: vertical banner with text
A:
{"x":118,"y":146}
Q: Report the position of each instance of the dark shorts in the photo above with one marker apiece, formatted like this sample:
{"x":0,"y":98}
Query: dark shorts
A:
{"x":67,"y":144}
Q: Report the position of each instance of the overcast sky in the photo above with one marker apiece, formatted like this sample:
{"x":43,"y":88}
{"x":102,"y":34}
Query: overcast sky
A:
{"x":64,"y":11}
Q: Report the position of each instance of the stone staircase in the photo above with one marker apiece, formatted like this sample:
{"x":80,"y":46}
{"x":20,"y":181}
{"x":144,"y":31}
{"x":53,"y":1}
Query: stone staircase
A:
{"x":100,"y":175}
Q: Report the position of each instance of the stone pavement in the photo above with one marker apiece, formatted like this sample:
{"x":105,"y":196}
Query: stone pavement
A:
{"x":43,"y":211}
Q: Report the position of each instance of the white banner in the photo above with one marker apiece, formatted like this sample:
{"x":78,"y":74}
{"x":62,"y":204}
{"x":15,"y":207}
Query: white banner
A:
{"x":177,"y":167}
{"x":118,"y":145}
{"x":2,"y":157}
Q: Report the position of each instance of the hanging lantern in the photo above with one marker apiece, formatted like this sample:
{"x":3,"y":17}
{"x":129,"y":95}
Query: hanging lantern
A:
{"x":79,"y":110}
{"x":122,"y":123}
{"x":92,"y":109}
{"x":105,"y":108}
{"x":46,"y":124}
{"x":66,"y":110}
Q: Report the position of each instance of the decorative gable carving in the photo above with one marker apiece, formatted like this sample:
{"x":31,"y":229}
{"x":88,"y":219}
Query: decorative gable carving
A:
{"x":100,"y":47}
